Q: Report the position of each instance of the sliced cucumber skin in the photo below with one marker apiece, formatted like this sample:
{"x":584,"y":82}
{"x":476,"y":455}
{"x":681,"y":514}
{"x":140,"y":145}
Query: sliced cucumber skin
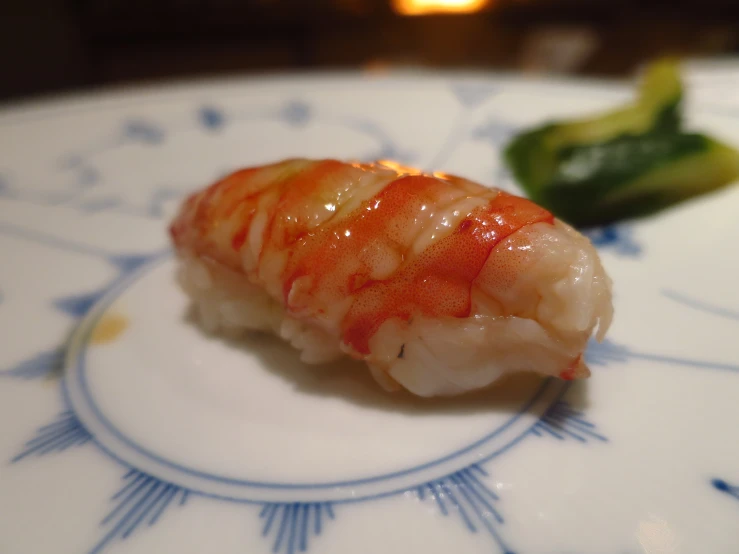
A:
{"x":626,"y":163}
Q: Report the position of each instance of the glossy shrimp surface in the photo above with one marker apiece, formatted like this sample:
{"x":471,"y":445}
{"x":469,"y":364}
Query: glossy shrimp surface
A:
{"x":345,"y":251}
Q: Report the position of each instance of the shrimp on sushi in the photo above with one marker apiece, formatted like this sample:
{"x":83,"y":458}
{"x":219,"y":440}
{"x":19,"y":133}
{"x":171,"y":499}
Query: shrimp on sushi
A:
{"x":441,"y":285}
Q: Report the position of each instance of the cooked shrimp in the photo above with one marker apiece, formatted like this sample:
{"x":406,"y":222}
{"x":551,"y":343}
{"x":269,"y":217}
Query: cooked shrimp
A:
{"x":440,"y":284}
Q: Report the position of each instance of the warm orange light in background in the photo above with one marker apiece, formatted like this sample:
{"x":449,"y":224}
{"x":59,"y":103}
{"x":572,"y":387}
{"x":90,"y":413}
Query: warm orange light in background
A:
{"x":425,"y":7}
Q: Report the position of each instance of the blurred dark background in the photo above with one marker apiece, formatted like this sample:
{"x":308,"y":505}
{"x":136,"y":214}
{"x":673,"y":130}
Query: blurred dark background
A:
{"x":49,"y":46}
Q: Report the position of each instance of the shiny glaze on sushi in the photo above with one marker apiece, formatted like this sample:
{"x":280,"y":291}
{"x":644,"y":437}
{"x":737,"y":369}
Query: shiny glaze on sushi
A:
{"x":312,"y":234}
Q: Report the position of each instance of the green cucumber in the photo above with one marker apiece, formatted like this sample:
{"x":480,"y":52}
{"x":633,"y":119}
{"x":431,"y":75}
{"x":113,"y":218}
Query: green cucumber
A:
{"x":626,"y":163}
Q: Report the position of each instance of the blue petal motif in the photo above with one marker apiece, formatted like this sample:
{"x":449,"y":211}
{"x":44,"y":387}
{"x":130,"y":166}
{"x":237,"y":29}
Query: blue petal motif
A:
{"x":78,"y":305}
{"x":723,"y":486}
{"x":97,"y":205}
{"x":159,"y":198}
{"x":151,"y":208}
{"x":37,"y":367}
{"x":464,"y":494}
{"x":4,"y":186}
{"x":292,"y":524}
{"x":71,"y":161}
{"x":75,"y":306}
{"x":127,"y":263}
{"x":143,"y":131}
{"x":87,"y":176}
{"x":620,"y":239}
{"x":388,"y":149}
{"x":139,"y":502}
{"x":63,"y":433}
{"x":603,"y":353}
{"x":608,"y":351}
{"x":701,"y":306}
{"x":561,"y":421}
{"x":494,"y":131}
{"x":296,"y":113}
{"x":211,"y":118}
{"x":472,"y":95}
{"x":83,"y":177}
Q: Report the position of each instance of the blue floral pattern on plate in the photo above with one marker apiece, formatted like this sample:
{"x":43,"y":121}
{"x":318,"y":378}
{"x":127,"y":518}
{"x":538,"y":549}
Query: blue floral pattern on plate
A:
{"x":142,"y":500}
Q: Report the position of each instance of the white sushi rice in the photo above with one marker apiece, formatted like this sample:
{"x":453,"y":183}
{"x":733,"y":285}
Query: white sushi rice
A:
{"x":539,"y":319}
{"x":226,"y":303}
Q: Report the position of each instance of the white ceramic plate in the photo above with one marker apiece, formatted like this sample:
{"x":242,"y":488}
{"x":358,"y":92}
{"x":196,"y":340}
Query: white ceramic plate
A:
{"x":158,"y":439}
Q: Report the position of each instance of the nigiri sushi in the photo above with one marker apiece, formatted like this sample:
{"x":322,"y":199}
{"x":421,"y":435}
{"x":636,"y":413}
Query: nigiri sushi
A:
{"x":440,"y":284}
